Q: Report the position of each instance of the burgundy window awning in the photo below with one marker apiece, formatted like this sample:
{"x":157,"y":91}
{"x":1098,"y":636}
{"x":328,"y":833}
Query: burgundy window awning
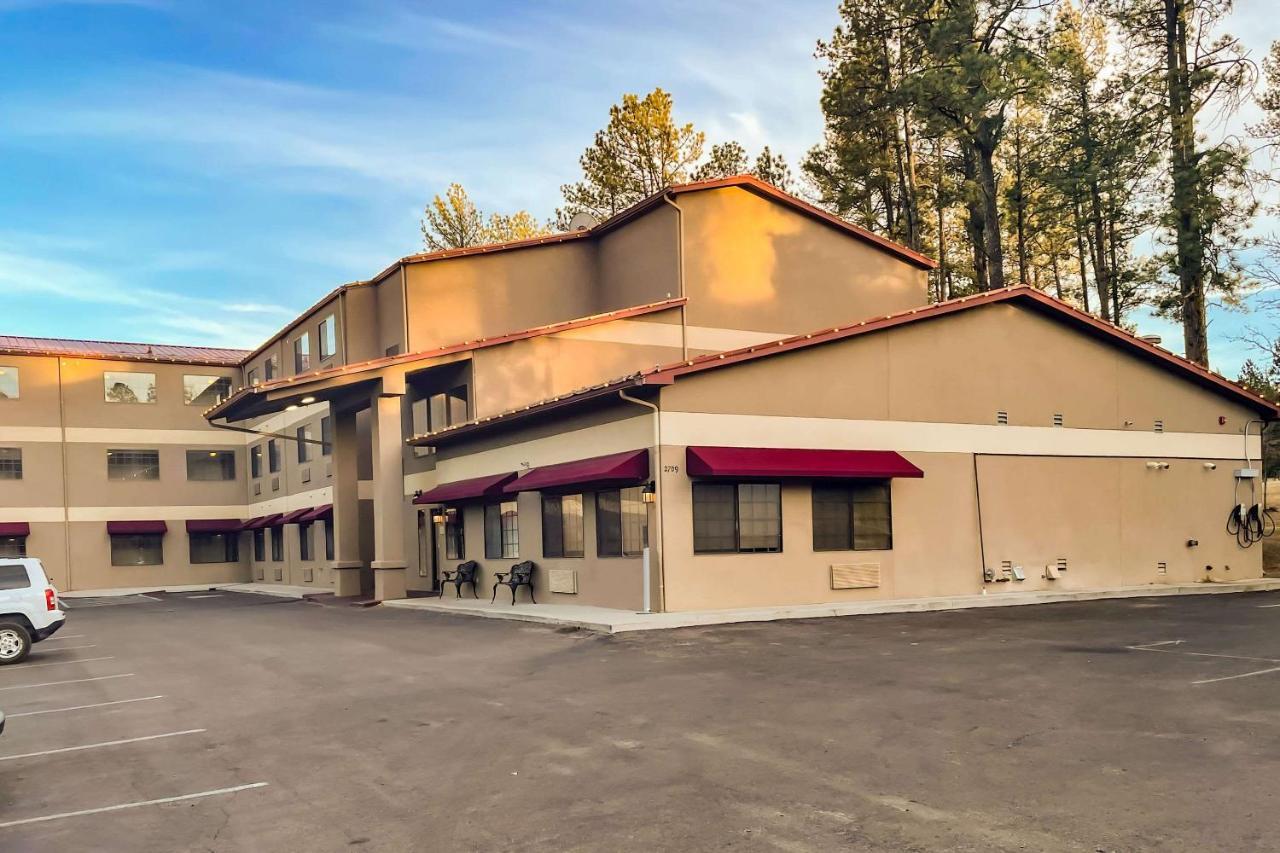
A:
{"x":263,"y":521}
{"x":15,"y":528}
{"x":629,"y":468}
{"x":320,"y":513}
{"x":296,"y":515}
{"x":461,"y":490}
{"x":135,"y":528}
{"x":794,"y":462}
{"x":214,"y":525}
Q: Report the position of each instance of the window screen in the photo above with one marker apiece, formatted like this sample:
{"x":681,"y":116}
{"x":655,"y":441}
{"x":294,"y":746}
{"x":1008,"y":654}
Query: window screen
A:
{"x":562,"y":526}
{"x":501,"y":531}
{"x":622,"y":523}
{"x":745,"y":517}
{"x":852,"y":517}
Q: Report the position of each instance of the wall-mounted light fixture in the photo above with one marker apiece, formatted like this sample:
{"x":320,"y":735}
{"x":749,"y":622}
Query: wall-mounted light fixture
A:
{"x":649,"y":494}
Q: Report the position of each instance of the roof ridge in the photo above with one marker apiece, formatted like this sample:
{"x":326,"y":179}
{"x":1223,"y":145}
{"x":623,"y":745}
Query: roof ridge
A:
{"x":120,"y":343}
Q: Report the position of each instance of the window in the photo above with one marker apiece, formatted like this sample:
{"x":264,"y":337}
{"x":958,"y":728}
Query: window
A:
{"x":273,"y":456}
{"x":277,"y":544}
{"x":622,"y":523}
{"x":743,"y":517}
{"x":305,"y":437}
{"x":302,"y":353}
{"x":328,"y":539}
{"x":214,"y":547}
{"x":205,"y":391}
{"x":260,"y":545}
{"x":13,"y":546}
{"x":137,"y":549}
{"x":133,"y":464}
{"x":207,"y":465}
{"x":501,"y":531}
{"x":853,"y":517}
{"x":271,"y":367}
{"x":8,"y":382}
{"x":328,"y":338}
{"x":14,"y":576}
{"x":326,"y":436}
{"x":562,"y":526}
{"x":440,"y":411}
{"x":454,"y":539}
{"x":304,"y":542}
{"x":255,"y":461}
{"x":129,"y":387}
{"x":253,"y":377}
{"x":10,"y":463}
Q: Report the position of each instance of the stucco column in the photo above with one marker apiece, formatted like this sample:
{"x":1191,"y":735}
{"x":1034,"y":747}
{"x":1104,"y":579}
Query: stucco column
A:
{"x":346,"y":504}
{"x":388,"y":494}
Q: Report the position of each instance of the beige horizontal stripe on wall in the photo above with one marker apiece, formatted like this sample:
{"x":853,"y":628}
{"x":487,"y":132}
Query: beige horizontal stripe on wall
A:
{"x":152,"y":437}
{"x":30,"y":434}
{"x":284,"y":503}
{"x":684,"y":428}
{"x":668,"y":335}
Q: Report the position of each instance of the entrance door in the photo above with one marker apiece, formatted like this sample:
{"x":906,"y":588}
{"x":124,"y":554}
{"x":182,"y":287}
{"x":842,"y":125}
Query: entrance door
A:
{"x":427,"y":550}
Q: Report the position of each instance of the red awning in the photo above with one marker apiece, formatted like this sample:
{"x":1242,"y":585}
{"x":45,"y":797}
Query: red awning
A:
{"x":461,"y":490}
{"x":602,"y":472}
{"x":777,"y":462}
{"x":295,"y":516}
{"x":15,"y":528}
{"x":263,"y":521}
{"x":320,"y":513}
{"x":135,"y":527}
{"x":214,"y":525}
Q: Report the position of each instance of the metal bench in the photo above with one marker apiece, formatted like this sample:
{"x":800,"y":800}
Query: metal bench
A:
{"x":463,"y":573}
{"x":521,"y":574}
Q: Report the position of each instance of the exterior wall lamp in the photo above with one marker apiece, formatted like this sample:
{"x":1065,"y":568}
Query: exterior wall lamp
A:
{"x":649,"y":494}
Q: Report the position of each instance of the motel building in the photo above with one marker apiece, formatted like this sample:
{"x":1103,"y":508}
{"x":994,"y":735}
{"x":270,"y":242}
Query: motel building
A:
{"x":722,"y":397}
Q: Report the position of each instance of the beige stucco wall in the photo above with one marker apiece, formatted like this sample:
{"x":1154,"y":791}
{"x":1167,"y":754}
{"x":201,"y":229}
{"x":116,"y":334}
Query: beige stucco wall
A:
{"x":753,"y":264}
{"x":638,"y":263}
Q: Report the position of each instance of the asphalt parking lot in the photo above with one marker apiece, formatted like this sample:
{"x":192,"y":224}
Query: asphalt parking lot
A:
{"x":232,"y":722}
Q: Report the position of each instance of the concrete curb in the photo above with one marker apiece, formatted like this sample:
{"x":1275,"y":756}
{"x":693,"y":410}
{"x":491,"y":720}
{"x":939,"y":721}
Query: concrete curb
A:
{"x":278,"y":590}
{"x":619,"y":621}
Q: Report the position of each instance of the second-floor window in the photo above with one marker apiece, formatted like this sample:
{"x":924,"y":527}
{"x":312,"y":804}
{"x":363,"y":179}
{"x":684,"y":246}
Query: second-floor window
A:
{"x":253,"y":377}
{"x":10,"y":463}
{"x":255,"y":461}
{"x":133,"y":464}
{"x":124,"y":387}
{"x":271,"y":367}
{"x":328,"y":338}
{"x":273,"y":456}
{"x":211,"y":465}
{"x":205,"y":391}
{"x":302,"y":353}
{"x":326,"y":435}
{"x":305,"y":437}
{"x":8,"y":382}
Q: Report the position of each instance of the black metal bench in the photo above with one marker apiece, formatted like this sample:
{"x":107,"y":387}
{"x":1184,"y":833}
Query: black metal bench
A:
{"x":463,"y":573}
{"x":521,"y":574}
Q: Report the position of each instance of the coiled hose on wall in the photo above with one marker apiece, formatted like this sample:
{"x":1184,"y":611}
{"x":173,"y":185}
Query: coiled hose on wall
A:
{"x":1251,"y":522}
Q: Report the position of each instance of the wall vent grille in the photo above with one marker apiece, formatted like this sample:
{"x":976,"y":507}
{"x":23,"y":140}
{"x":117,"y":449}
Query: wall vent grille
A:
{"x":279,"y":574}
{"x":308,"y":575}
{"x":257,"y":488}
{"x":1062,"y":564}
{"x":1162,"y":568}
{"x":855,"y":576}
{"x":275,"y":484}
{"x":1159,"y":426}
{"x":563,"y":580}
{"x":306,"y":475}
{"x":1057,"y":419}
{"x":257,"y":573}
{"x":1002,"y":417}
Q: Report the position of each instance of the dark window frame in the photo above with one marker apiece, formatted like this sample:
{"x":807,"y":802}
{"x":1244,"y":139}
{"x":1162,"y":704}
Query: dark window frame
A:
{"x":612,"y":509}
{"x":119,"y":460}
{"x":497,"y":535}
{"x":302,"y":353}
{"x":260,"y":545}
{"x":230,"y":547}
{"x":841,"y":501}
{"x":136,"y":540}
{"x":277,"y":544}
{"x":222,"y":456}
{"x":701,"y":494}
{"x":327,"y":338}
{"x":556,"y":530}
{"x":273,"y":456}
{"x":13,"y":546}
{"x":455,"y":533}
{"x":306,"y":550}
{"x":10,"y":466}
{"x":255,"y":461}
{"x":326,"y":435}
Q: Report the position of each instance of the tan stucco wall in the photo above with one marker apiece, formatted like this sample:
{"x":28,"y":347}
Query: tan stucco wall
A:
{"x":753,"y":264}
{"x":639,"y":263}
{"x":91,"y":561}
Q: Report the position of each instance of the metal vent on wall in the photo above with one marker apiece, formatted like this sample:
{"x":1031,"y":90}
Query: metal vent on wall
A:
{"x":308,"y":575}
{"x":257,"y":574}
{"x":1057,"y":419}
{"x":1062,"y":564}
{"x":562,"y":580}
{"x":257,"y":488}
{"x":1002,"y":417}
{"x":1162,"y":568}
{"x":1159,"y":426}
{"x":855,"y":576}
{"x":275,"y":484}
{"x":279,"y":574}
{"x":306,"y":475}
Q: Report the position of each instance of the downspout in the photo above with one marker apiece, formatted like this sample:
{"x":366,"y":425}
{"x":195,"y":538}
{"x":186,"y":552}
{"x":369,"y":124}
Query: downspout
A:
{"x":684,"y":306}
{"x":657,"y":494}
{"x":66,"y":495}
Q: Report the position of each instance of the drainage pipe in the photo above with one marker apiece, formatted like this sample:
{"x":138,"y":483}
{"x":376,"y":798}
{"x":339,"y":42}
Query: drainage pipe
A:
{"x":657,"y":496}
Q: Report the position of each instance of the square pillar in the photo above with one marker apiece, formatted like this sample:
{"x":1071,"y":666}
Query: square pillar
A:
{"x":389,"y":563}
{"x":346,"y":504}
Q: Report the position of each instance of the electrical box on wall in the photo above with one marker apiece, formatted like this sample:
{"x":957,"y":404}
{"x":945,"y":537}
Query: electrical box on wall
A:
{"x":1246,"y":473}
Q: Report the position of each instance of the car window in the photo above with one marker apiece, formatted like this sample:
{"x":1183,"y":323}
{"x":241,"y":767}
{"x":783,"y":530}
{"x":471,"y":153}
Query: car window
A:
{"x":14,"y":576}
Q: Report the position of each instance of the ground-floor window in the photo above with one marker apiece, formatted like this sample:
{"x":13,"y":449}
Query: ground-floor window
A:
{"x":501,"y":531}
{"x":304,"y":542}
{"x":13,"y":546}
{"x":214,"y":547}
{"x":260,"y":545}
{"x":622,"y":523}
{"x":852,"y":517}
{"x":328,"y":539}
{"x":137,"y":549}
{"x":455,"y":543}
{"x":277,"y":544}
{"x":562,"y":526}
{"x":737,"y":517}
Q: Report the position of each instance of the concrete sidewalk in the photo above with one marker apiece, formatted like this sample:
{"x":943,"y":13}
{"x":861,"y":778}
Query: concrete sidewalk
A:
{"x":610,"y":621}
{"x":276,"y":589}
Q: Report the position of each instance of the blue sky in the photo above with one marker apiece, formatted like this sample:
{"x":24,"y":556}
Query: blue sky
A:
{"x":198,"y":172}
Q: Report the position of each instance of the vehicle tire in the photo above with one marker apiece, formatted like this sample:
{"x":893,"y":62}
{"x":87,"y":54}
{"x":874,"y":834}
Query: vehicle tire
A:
{"x":15,"y":643}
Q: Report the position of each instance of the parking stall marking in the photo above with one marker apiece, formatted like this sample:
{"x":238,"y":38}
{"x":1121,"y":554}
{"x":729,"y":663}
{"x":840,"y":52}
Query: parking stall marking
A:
{"x":100,"y":745}
{"x":61,"y":662}
{"x":64,"y":637}
{"x":1241,"y":675}
{"x":139,"y":804}
{"x":82,"y":707}
{"x":1153,"y":647}
{"x":70,"y":648}
{"x":69,"y":681}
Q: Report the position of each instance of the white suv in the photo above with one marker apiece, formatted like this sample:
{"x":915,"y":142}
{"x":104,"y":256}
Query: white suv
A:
{"x":29,"y":610}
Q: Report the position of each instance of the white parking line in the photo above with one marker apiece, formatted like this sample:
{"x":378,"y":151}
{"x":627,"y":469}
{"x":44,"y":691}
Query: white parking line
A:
{"x":71,"y":681}
{"x":98,"y":745}
{"x":64,"y":662}
{"x":69,"y":648}
{"x":1241,"y":675}
{"x":160,"y":801}
{"x":82,"y":707}
{"x":65,"y":637}
{"x":1269,"y":605}
{"x":215,"y":595}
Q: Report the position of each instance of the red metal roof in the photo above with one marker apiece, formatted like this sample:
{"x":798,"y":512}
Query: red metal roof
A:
{"x":617,"y":469}
{"x":772,"y":462}
{"x":1021,"y":294}
{"x":19,"y":345}
{"x":461,"y":490}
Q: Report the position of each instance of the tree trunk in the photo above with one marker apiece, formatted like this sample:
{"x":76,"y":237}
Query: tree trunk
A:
{"x":974,"y":224}
{"x":1080,"y":250}
{"x":1057,"y":277}
{"x":1187,"y":225}
{"x":1020,"y":201}
{"x":1116,"y":308}
{"x":1099,"y":250}
{"x":990,"y":213}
